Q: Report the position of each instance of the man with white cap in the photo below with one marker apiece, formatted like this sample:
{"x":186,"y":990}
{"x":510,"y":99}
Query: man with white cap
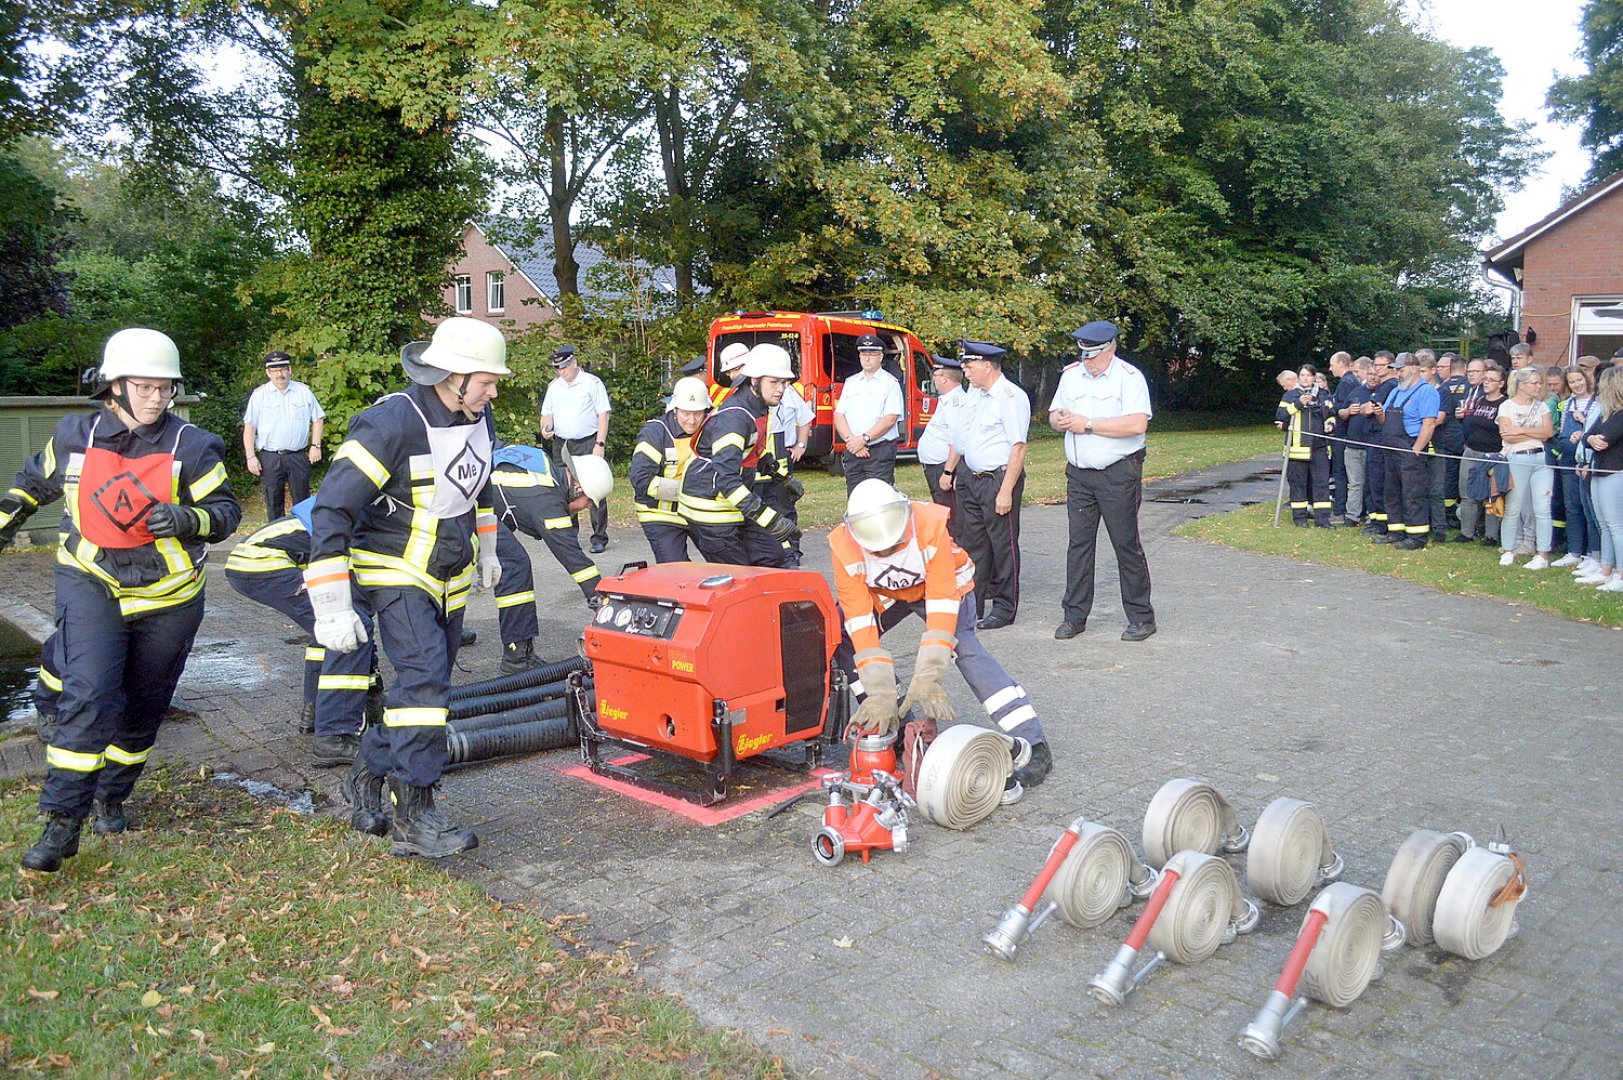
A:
{"x":575,"y":409}
{"x":407,"y":493}
{"x":866,"y":417}
{"x":893,"y":558}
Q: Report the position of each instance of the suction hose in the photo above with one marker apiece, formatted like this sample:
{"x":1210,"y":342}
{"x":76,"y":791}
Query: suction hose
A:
{"x":545,"y":710}
{"x":1187,"y":814}
{"x":511,"y":699}
{"x":507,"y":683}
{"x":1290,"y":853}
{"x":962,"y":778}
{"x":517,"y":739}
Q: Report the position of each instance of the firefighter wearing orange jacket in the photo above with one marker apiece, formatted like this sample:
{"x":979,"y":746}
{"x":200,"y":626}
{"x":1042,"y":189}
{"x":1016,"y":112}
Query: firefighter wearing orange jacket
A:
{"x":145,"y":493}
{"x":892,"y":558}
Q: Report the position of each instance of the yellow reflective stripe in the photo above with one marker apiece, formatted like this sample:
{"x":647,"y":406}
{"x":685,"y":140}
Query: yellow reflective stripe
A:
{"x":647,"y":450}
{"x":558,"y":523}
{"x":252,"y":560}
{"x":515,"y":599}
{"x":24,"y":497}
{"x":49,"y":456}
{"x":50,"y":681}
{"x":587,"y":574}
{"x":653,"y":486}
{"x":314,"y":654}
{"x":120,"y":756}
{"x":732,"y":438}
{"x":703,"y":511}
{"x":666,"y":517}
{"x":207,"y":484}
{"x":174,"y":554}
{"x":511,"y":479}
{"x":424,"y":528}
{"x":415,"y":717}
{"x":344,"y":682}
{"x":58,"y":758}
{"x":359,"y":456}
{"x":738,"y":495}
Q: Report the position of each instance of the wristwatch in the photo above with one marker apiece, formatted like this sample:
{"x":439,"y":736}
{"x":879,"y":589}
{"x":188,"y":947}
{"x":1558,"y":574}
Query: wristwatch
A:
{"x":1087,"y":429}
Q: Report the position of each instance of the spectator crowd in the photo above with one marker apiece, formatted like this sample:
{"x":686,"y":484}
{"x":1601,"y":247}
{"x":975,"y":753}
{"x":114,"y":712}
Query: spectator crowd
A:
{"x":1416,"y":449}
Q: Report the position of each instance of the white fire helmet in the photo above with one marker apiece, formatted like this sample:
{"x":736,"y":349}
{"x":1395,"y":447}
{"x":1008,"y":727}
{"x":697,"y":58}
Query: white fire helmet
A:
{"x":690,"y":393}
{"x":733,"y":356}
{"x":593,"y":475}
{"x":770,"y":360}
{"x":138,"y":353}
{"x":460,"y":346}
{"x":877,"y":514}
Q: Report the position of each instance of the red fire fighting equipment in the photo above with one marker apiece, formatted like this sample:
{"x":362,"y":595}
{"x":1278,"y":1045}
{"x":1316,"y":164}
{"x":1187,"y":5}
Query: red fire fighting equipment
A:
{"x":713,"y":664}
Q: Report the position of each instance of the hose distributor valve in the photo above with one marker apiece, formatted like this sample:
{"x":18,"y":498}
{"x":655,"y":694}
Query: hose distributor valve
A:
{"x":862,"y":818}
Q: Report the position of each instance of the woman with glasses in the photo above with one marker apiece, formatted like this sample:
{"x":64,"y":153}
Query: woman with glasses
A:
{"x":145,"y":493}
{"x":1526,"y":426}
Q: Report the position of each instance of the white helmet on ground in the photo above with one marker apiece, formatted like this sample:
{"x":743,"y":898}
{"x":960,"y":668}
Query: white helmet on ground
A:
{"x":593,"y":475}
{"x":460,"y":346}
{"x":690,"y":393}
{"x":733,"y":356}
{"x":138,"y":352}
{"x":877,"y":514}
{"x":767,"y":359}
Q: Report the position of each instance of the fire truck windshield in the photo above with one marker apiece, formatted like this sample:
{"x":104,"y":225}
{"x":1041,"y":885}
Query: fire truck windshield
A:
{"x":789,"y":339}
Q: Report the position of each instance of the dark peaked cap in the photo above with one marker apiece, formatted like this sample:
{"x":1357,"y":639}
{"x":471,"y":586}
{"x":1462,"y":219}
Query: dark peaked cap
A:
{"x":1098,"y":332}
{"x":980,"y":350}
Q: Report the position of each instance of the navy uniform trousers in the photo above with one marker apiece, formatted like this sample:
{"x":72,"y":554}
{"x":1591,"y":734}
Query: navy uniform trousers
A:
{"x":991,"y":539}
{"x":540,"y":512}
{"x":118,"y":677}
{"x":421,"y":640}
{"x":336,"y":682}
{"x":668,"y":542}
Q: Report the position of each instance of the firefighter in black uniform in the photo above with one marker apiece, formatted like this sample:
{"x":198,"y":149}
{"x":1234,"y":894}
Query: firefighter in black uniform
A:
{"x":536,"y":497}
{"x":145,"y":495}
{"x":729,"y":522}
{"x":406,"y":495}
{"x":664,"y":447}
{"x":268,"y":568}
{"x":1303,"y":412}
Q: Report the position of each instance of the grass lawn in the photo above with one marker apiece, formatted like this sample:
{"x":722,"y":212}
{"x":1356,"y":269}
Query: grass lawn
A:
{"x":225,"y":937}
{"x":1469,"y":569}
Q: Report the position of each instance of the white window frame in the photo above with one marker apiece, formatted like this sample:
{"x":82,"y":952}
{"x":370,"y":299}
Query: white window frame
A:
{"x":462,"y":291}
{"x":1579,"y":329}
{"x":495,"y":291}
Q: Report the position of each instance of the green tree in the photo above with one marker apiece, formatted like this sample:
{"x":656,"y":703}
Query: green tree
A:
{"x":1595,"y":98}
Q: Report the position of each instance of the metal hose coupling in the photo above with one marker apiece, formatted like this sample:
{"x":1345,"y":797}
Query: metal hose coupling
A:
{"x":1119,"y":979}
{"x":1262,"y":1036}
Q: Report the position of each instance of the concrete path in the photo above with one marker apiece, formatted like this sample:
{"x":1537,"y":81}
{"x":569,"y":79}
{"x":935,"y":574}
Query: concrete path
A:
{"x":1389,"y":706}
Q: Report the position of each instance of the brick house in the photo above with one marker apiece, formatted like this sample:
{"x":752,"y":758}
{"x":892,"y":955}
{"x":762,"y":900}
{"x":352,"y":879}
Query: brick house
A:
{"x":1568,"y":272}
{"x":515,"y":288}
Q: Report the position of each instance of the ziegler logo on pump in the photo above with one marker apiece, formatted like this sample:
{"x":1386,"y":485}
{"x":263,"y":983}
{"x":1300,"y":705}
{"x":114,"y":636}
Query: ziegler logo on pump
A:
{"x":125,"y":500}
{"x":611,"y":713}
{"x":750,"y":743}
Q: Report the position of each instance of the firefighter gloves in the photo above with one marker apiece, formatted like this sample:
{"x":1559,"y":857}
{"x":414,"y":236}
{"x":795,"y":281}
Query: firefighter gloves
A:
{"x":168,"y":521}
{"x":337,"y":626}
{"x":925,"y":692}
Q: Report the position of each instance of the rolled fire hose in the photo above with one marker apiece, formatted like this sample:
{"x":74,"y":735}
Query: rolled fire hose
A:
{"x":546,"y":710}
{"x":465,"y":748}
{"x":533,"y":677}
{"x":962,"y":778}
{"x":1290,"y":853}
{"x":1187,"y":814}
{"x":1348,"y":953}
{"x":1415,"y":879}
{"x":1476,"y":910}
{"x":1199,"y":912}
{"x":1100,"y":876}
{"x":512,"y":699}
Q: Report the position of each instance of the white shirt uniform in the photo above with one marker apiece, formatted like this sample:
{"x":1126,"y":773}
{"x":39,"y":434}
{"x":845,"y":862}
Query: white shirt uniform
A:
{"x":1120,"y":391}
{"x":282,"y":418}
{"x":575,"y":407}
{"x":790,"y":413}
{"x":936,"y":442}
{"x":995,"y":421}
{"x":865,"y":398}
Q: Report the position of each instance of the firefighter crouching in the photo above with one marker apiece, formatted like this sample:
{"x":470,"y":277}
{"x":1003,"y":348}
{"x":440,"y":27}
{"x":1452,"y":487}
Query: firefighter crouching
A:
{"x":664,"y":447}
{"x":145,"y":493}
{"x":534,"y":495}
{"x":399,"y":509}
{"x":268,"y":568}
{"x":729,"y":522}
{"x":892,"y":558}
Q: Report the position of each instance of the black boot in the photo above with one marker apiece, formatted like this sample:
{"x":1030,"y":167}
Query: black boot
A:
{"x":469,"y":637}
{"x":331,"y":751}
{"x":363,"y":792}
{"x":419,"y":829}
{"x":59,"y":841}
{"x":519,"y":656}
{"x":1036,"y":770}
{"x":110,"y":818}
{"x":307,"y":719}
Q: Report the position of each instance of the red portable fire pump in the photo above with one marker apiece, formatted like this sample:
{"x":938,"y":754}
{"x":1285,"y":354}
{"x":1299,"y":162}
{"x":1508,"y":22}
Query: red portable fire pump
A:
{"x":713,"y":664}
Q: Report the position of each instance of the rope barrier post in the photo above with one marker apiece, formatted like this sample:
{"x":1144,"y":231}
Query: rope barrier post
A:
{"x":1284,"y":466}
{"x":1017,"y":923}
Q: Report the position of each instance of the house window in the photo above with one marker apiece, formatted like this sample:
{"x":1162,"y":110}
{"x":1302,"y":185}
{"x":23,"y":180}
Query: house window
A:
{"x":1597,"y":329}
{"x":464,"y":293}
{"x":495,"y":291}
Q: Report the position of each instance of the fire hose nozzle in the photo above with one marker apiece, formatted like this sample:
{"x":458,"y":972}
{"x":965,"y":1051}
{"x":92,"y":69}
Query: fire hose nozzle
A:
{"x":1262,"y":1036}
{"x":1118,"y":979}
{"x":1014,"y":928}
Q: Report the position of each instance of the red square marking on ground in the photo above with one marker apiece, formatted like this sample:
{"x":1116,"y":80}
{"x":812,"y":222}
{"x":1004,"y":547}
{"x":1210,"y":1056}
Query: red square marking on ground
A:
{"x":728,"y":809}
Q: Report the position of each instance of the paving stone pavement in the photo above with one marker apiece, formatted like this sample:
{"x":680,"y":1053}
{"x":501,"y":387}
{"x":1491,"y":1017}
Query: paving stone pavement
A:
{"x":1389,"y":706}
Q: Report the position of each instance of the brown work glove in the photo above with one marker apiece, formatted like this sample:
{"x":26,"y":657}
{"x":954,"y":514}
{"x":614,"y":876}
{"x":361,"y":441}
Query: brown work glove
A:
{"x":877,"y":714}
{"x":925,"y":692}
